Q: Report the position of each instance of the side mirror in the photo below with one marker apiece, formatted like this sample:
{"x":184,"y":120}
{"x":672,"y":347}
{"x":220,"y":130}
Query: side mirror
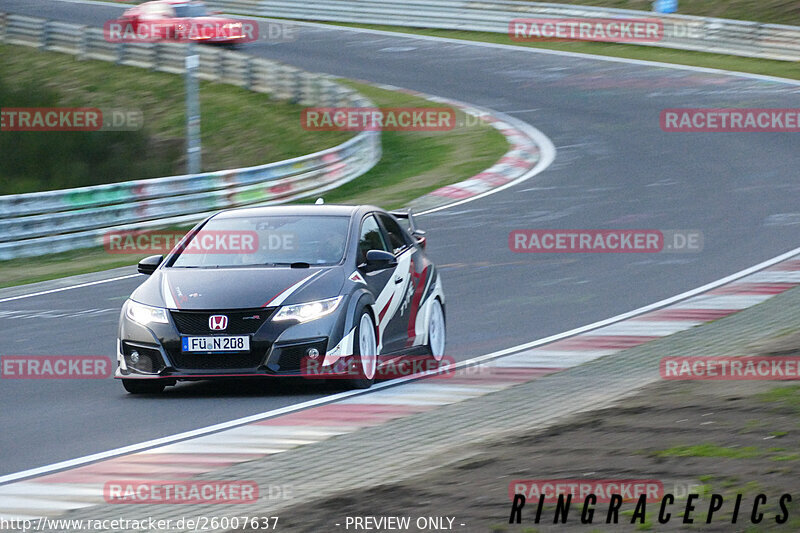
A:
{"x":148,"y":265}
{"x":419,"y":236}
{"x":379,"y":260}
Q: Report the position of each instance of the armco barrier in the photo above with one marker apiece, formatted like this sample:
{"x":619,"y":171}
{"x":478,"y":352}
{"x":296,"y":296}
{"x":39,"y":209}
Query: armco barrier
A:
{"x":724,"y":36}
{"x":49,"y":222}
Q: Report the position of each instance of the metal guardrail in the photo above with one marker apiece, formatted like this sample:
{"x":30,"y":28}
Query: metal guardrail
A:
{"x":55,"y":221}
{"x":724,"y":36}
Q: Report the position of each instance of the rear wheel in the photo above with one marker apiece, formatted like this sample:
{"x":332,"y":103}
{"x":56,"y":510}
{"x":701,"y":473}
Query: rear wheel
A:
{"x":365,"y":353}
{"x":436,"y":331}
{"x":142,"y":386}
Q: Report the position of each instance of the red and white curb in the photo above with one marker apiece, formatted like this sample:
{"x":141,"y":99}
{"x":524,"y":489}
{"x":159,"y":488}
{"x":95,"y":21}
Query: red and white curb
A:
{"x":82,"y":486}
{"x":525,"y":154}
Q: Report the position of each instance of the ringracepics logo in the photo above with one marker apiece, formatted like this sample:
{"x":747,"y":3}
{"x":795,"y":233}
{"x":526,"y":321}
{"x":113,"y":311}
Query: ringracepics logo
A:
{"x":378,"y":119}
{"x":180,"y":492}
{"x":645,"y":30}
{"x":69,"y":119}
{"x":184,"y":30}
{"x":730,"y":368}
{"x":204,"y":242}
{"x":577,"y":501}
{"x":604,"y":241}
{"x":55,"y":367}
{"x":730,"y":120}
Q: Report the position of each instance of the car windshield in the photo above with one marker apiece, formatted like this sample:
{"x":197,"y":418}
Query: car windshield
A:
{"x":190,"y":10}
{"x":266,"y":241}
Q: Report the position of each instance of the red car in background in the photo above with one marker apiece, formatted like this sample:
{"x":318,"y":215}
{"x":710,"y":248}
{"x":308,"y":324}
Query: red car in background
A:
{"x":178,"y":20}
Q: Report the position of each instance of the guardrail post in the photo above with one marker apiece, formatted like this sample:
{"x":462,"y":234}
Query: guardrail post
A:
{"x":297,"y":86}
{"x":155,"y":50}
{"x":221,"y":59}
{"x":82,"y":43}
{"x":120,"y":53}
{"x":248,"y":73}
{"x":3,"y":23}
{"x":45,"y":37}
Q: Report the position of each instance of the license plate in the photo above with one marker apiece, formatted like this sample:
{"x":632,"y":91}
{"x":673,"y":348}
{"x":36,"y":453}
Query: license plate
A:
{"x":239,"y":343}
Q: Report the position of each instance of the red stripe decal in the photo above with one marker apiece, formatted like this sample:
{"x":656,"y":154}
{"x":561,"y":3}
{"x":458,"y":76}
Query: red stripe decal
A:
{"x":385,"y":308}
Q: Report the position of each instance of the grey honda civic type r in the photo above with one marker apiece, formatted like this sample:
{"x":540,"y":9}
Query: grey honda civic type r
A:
{"x":303,"y":290}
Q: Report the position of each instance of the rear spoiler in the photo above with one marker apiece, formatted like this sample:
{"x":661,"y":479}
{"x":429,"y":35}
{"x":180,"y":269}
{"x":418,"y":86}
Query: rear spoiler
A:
{"x":407,"y":217}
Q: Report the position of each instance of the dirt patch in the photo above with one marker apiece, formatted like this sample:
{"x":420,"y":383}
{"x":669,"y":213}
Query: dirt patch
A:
{"x":706,"y":437}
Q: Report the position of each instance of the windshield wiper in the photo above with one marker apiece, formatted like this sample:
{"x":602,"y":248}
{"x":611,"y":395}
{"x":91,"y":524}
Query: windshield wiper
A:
{"x":296,"y":264}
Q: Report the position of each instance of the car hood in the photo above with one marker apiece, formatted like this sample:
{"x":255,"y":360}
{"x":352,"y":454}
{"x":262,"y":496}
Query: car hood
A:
{"x":238,"y":288}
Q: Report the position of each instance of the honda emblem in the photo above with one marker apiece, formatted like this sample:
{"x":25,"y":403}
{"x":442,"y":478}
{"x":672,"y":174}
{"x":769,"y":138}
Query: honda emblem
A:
{"x":217,"y":322}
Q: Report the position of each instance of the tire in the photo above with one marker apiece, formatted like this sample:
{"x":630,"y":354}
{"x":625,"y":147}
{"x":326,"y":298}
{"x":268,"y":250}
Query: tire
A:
{"x":437,"y":331}
{"x":142,"y":386}
{"x":365,"y":357}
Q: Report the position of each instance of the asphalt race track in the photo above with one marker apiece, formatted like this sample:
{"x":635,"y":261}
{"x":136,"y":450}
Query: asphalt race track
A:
{"x":614,"y":168}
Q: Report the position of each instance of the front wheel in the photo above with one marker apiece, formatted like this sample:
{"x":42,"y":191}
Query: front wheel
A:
{"x":365,"y":353}
{"x":437,"y":334}
{"x":142,"y":386}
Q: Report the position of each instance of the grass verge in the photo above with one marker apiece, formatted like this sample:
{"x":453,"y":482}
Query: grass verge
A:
{"x":413,"y":164}
{"x":239,"y":128}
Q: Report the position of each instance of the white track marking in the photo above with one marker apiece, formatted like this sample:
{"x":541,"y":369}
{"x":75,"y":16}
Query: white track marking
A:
{"x":470,"y":362}
{"x":380,"y":386}
{"x":776,"y":276}
{"x":51,"y":291}
{"x":649,"y":328}
{"x":727,"y":301}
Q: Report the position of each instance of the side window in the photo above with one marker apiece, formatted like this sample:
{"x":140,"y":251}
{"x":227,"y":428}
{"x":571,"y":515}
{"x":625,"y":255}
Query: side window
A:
{"x":398,"y":238}
{"x":370,"y":238}
{"x":156,"y":10}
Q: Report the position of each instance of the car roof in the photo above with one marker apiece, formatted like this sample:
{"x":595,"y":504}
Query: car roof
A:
{"x":305,"y":210}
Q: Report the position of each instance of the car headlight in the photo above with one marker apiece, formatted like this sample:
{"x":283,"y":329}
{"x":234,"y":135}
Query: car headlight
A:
{"x":145,"y":315}
{"x":308,"y":311}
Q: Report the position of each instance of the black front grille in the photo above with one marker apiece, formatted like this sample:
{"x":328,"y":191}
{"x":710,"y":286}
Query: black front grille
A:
{"x":240,"y":322}
{"x":223,"y":361}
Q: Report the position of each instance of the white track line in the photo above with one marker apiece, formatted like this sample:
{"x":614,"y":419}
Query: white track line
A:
{"x":470,"y":362}
{"x":348,"y":394}
{"x":51,"y":291}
